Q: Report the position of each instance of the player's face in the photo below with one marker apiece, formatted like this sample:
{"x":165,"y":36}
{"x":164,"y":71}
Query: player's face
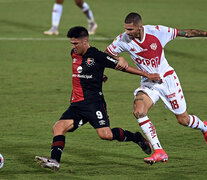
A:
{"x":133,"y":31}
{"x":78,"y":45}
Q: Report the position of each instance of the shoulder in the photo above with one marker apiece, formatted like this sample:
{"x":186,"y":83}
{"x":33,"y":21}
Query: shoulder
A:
{"x":95,"y":53}
{"x":155,"y":28}
{"x":122,"y":38}
{"x":92,"y":51}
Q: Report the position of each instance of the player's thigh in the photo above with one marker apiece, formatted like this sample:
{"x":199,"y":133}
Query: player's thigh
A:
{"x":97,"y":115}
{"x":172,"y":95}
{"x":74,"y":113}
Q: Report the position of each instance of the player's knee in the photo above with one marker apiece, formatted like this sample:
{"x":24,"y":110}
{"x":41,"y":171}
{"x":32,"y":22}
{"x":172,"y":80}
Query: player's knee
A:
{"x":139,"y":114}
{"x":105,"y":134}
{"x":183,"y":120}
{"x":105,"y":137}
{"x":62,"y":126}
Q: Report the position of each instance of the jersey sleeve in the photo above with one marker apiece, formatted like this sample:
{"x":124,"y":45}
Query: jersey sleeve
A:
{"x":107,"y":61}
{"x":116,"y":46}
{"x":165,"y":34}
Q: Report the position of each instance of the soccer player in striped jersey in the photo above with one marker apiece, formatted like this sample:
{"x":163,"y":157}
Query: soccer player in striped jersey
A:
{"x":145,"y":44}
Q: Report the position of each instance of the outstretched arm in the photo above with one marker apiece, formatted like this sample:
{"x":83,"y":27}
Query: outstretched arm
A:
{"x":188,"y":33}
{"x":133,"y":70}
{"x":113,"y":63}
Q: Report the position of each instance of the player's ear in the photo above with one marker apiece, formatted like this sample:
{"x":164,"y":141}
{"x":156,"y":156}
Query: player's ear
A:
{"x":85,"y":40}
{"x":140,"y":26}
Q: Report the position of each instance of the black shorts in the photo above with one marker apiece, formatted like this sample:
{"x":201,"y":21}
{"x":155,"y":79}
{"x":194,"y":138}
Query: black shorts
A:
{"x":95,"y":113}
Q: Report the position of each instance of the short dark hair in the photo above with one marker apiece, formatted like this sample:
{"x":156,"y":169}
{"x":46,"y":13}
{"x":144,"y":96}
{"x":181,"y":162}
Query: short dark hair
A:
{"x":134,"y":18}
{"x":77,"y":32}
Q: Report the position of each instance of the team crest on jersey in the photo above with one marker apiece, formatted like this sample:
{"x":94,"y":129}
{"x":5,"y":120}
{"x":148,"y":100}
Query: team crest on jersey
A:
{"x":153,"y":46}
{"x":90,"y":62}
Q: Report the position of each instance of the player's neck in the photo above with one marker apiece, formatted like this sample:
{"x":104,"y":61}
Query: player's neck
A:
{"x":85,"y":49}
{"x":141,"y":35}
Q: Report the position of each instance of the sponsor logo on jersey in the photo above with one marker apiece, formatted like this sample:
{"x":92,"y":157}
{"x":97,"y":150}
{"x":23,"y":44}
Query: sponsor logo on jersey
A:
{"x":154,"y":62}
{"x":90,"y":62}
{"x":82,"y":76}
{"x":79,"y":69}
{"x":153,"y":46}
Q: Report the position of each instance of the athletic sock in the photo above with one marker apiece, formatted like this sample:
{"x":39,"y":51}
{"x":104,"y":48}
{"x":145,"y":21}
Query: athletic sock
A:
{"x":89,"y":15}
{"x":56,"y":14}
{"x":196,"y":123}
{"x":122,"y":135}
{"x":150,"y":132}
{"x":57,"y":147}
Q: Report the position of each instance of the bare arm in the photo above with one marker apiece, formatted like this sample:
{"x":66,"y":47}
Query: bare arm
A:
{"x":133,"y":70}
{"x":191,"y":33}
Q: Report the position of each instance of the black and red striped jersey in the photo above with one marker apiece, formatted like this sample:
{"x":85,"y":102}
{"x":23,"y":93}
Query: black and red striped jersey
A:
{"x":87,"y":74}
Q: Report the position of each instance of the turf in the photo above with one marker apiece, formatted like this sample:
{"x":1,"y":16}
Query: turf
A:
{"x":35,"y":87}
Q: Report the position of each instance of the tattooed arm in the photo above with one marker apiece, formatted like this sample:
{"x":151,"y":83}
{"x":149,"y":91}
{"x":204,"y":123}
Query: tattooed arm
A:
{"x":191,"y":33}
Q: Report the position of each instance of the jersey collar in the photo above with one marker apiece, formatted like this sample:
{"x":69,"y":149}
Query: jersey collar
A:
{"x":142,"y":38}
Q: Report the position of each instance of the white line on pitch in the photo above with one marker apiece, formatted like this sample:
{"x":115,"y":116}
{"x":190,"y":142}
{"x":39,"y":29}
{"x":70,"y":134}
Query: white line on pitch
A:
{"x":48,"y":39}
{"x":66,"y":39}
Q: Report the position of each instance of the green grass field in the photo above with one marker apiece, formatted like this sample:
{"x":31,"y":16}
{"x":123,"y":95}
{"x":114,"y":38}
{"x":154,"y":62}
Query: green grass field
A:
{"x":35,"y":87}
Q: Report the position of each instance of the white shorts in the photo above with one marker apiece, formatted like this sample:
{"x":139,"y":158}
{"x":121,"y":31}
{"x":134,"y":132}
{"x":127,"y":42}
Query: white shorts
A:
{"x":169,"y":91}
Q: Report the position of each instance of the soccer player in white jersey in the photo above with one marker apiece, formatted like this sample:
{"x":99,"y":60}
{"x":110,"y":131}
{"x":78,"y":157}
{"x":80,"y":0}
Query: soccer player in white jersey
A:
{"x":145,"y":44}
{"x":57,"y":13}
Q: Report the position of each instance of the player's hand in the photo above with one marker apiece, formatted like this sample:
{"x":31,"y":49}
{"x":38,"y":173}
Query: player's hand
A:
{"x":154,"y":77}
{"x":122,"y":64}
{"x":105,"y":78}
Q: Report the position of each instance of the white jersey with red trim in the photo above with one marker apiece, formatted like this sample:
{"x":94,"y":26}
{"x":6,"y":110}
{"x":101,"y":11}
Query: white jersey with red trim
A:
{"x":148,"y":54}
